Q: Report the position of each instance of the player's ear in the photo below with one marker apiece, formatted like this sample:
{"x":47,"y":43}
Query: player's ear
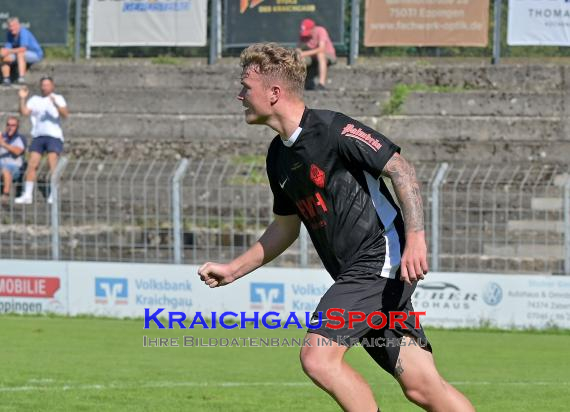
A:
{"x":275,"y":94}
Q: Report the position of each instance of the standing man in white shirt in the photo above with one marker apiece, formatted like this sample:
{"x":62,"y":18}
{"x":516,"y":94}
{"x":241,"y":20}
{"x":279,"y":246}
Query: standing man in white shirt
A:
{"x":45,"y":112}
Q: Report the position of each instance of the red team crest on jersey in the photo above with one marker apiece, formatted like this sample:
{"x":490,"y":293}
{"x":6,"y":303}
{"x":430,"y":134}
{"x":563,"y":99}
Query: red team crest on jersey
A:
{"x":317,"y":176}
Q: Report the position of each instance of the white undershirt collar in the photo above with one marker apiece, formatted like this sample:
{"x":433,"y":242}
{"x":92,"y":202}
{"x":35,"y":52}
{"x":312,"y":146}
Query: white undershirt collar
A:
{"x":289,"y":142}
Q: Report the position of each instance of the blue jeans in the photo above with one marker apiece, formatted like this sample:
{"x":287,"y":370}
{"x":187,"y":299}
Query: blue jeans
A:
{"x":15,"y":171}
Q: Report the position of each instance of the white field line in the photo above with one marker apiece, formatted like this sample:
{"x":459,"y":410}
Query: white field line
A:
{"x":33,"y":388}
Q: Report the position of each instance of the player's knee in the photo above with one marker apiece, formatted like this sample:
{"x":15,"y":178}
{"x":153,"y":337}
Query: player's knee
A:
{"x":417,"y":395}
{"x":314,"y":365}
{"x":426,"y":394}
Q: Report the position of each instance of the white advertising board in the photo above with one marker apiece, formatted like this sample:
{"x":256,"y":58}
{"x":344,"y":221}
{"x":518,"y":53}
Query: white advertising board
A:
{"x":126,"y":290}
{"x":505,"y":301}
{"x":539,"y":22}
{"x":29,"y":287}
{"x":147,"y":22}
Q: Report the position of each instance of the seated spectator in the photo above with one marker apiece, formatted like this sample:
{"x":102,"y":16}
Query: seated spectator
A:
{"x":317,"y":49}
{"x":20,"y":50}
{"x":12,"y":148}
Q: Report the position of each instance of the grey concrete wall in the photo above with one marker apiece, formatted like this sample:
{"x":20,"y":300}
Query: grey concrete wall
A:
{"x":367,"y":76}
{"x":496,"y":114}
{"x":158,"y":101}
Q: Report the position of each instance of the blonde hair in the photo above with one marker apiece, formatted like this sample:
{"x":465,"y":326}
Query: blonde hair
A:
{"x":276,"y":62}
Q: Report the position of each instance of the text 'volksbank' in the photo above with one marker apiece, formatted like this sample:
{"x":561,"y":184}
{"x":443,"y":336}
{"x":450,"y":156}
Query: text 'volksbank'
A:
{"x":148,"y":293}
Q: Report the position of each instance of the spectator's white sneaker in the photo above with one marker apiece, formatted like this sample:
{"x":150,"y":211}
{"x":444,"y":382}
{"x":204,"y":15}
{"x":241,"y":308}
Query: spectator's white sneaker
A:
{"x":23,"y":200}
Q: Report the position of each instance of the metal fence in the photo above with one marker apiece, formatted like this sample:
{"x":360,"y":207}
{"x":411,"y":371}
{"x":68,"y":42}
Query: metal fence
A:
{"x":484,"y":218}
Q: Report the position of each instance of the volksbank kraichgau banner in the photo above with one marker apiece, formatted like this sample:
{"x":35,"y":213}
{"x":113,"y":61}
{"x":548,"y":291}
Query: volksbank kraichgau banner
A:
{"x":148,"y":22}
{"x":539,"y":22}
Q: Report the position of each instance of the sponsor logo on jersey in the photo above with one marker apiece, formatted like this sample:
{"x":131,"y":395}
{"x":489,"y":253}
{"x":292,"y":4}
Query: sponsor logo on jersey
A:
{"x":357,"y":133}
{"x":317,"y":176}
{"x":312,"y":208}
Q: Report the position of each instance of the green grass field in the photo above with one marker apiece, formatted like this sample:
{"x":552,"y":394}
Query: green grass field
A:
{"x":89,"y":364}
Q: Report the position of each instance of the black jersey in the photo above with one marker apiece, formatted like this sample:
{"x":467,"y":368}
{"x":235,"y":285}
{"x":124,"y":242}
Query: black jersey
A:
{"x":328,"y":173}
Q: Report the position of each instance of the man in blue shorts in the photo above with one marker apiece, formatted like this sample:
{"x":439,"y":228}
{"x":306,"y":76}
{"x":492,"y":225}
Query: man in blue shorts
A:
{"x":21,"y":48}
{"x":12,"y":148}
{"x":326,"y":170}
{"x":46,"y":112}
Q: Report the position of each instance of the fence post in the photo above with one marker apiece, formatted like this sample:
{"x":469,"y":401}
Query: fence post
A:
{"x":354,"y":32}
{"x":177,"y":210}
{"x":567,"y":227}
{"x":497,"y":32}
{"x":54,"y":193}
{"x":77,"y":53}
{"x":89,"y":28}
{"x":435,"y":235}
{"x":304,"y":246}
{"x":214,"y":32}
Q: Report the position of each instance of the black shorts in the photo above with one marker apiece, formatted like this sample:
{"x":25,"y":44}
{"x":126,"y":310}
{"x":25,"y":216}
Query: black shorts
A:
{"x":362,"y":292}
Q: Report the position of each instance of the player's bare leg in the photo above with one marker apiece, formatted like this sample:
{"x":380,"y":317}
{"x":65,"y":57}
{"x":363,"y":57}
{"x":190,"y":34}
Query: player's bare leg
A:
{"x":7,"y":178}
{"x":33,"y":163}
{"x":325,"y":365}
{"x":6,"y":61}
{"x":21,"y":57}
{"x":422,"y":383}
{"x":323,"y":67}
{"x":52,"y":158}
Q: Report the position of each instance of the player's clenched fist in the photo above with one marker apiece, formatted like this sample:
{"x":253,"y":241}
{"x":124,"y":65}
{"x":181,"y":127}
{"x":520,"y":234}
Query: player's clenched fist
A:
{"x":216,"y":274}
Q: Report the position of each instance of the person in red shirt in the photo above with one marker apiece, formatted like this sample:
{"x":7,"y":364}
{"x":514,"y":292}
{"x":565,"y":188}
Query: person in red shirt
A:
{"x":316,"y":47}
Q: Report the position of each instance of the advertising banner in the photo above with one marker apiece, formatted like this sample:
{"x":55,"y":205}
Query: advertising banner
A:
{"x":254,"y":21}
{"x":147,"y":22}
{"x":124,"y":290}
{"x":504,"y":301}
{"x":32,"y":288}
{"x":426,"y":23}
{"x":450,"y":300}
{"x":539,"y":22}
{"x":47,"y":20}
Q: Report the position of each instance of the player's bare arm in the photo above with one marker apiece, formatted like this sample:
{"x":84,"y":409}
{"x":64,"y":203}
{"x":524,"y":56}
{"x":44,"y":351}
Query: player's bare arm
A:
{"x":23,"y":94}
{"x":403,"y":175}
{"x":313,"y":52}
{"x":278,"y":236}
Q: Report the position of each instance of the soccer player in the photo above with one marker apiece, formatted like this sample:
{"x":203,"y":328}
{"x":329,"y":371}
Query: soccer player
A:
{"x":325,"y":169}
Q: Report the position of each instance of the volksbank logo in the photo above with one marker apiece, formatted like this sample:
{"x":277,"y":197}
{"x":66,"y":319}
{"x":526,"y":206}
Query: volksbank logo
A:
{"x":267,"y":295}
{"x":112,"y":291}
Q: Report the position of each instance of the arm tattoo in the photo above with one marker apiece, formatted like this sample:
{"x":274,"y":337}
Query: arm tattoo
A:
{"x":407,"y":188}
{"x":399,"y":369}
